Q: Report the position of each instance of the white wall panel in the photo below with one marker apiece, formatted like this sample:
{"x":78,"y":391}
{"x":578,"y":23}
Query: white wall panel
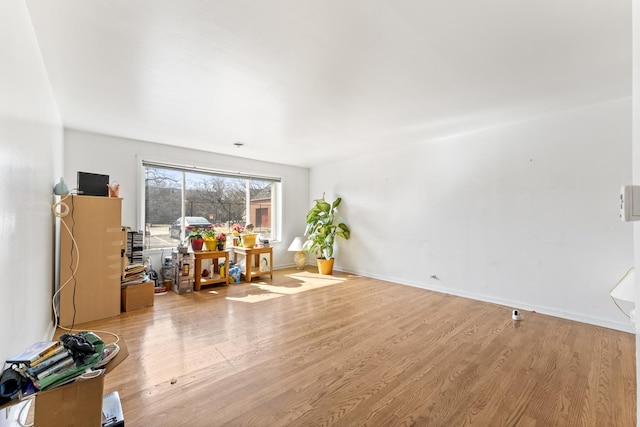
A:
{"x":30,"y":162}
{"x":524,"y":215}
{"x":635,"y":19}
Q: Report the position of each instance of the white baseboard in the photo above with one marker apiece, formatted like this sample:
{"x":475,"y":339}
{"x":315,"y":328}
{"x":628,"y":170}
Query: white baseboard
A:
{"x":591,"y":320}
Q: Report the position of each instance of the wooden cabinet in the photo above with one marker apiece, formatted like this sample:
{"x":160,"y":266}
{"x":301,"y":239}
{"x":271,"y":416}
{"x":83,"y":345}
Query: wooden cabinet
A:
{"x":93,"y":291}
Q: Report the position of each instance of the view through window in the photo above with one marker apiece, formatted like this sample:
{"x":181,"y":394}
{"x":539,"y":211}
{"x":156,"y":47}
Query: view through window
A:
{"x":207,"y":200}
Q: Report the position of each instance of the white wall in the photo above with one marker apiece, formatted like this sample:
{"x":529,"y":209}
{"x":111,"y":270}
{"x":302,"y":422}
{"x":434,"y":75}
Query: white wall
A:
{"x":636,"y":168}
{"x":30,"y":162}
{"x":525,"y":215}
{"x":120,"y":158}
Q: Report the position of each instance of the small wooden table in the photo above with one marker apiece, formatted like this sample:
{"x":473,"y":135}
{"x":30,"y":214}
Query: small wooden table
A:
{"x":253,"y":266}
{"x":215,"y":276}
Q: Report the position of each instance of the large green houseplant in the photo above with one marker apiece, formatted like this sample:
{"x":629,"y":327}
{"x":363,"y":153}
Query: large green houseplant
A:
{"x":321,"y":231}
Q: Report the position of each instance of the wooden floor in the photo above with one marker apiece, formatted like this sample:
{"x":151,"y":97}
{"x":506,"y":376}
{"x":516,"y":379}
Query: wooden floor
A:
{"x":305,"y":350}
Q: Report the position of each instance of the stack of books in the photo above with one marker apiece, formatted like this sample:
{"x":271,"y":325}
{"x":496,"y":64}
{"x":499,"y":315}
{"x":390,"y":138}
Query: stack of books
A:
{"x":43,"y":359}
{"x":49,"y":364}
{"x":134,"y":274}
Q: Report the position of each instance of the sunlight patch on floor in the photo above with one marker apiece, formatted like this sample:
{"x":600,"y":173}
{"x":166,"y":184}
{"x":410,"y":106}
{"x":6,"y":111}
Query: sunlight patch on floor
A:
{"x":303,"y":281}
{"x":308,"y":281}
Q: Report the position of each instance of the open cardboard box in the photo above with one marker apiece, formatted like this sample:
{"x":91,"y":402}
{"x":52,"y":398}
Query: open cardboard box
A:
{"x":77,"y":404}
{"x":134,"y":297}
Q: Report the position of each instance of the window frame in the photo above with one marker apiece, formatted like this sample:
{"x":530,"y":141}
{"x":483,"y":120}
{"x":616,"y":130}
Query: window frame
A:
{"x":276,"y":193}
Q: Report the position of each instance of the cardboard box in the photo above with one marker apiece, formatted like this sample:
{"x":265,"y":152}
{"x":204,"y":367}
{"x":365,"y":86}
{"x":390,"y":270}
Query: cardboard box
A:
{"x":77,"y":404}
{"x":184,"y":264}
{"x":183,"y":285}
{"x":134,"y":297}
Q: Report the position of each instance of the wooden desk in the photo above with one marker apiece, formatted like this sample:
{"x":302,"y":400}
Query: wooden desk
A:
{"x":255,"y":268}
{"x":215,"y":276}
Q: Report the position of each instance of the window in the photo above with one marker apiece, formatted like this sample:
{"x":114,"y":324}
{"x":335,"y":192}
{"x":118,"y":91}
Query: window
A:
{"x":178,"y":199}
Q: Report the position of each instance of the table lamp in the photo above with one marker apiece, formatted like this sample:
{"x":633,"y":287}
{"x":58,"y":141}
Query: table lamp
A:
{"x":625,"y":290}
{"x":300,"y":258}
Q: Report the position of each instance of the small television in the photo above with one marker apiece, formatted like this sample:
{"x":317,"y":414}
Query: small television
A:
{"x":93,"y":184}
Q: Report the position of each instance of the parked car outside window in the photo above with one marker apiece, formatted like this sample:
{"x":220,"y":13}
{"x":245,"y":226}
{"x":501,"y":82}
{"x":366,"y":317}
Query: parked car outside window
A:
{"x":190,"y":222}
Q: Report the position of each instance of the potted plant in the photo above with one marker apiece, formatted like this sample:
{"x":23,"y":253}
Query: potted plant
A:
{"x":321,"y":231}
{"x":210,"y":241}
{"x":222,"y":239}
{"x":248,"y":237}
{"x":236,"y":229}
{"x":197,"y":239}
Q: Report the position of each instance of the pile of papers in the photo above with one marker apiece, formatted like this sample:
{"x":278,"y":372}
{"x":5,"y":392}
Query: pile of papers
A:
{"x":48,"y":364}
{"x":134,"y":274}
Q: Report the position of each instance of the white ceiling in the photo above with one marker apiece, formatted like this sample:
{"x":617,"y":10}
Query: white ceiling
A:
{"x":305,"y":81}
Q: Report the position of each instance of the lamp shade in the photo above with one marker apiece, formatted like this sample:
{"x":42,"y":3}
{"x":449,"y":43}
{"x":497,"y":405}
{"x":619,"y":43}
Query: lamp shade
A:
{"x":296,"y":245}
{"x":625,"y":290}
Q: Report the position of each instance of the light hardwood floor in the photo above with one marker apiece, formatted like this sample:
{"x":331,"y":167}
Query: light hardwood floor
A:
{"x":303,"y":350}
